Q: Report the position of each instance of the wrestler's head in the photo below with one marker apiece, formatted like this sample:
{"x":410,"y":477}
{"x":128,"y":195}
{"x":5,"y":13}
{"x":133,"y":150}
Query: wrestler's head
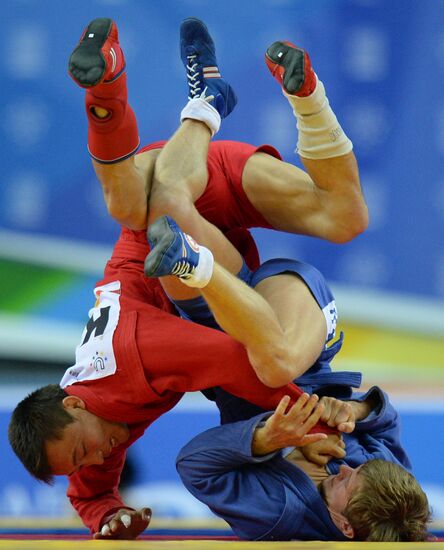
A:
{"x":53,"y":433}
{"x":378,"y":501}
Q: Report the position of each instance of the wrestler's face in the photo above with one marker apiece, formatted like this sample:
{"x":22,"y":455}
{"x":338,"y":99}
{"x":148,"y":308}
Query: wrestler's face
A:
{"x":86,"y":441}
{"x":338,"y":489}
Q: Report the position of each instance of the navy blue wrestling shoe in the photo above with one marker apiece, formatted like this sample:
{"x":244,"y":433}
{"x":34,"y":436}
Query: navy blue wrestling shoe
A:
{"x":173,"y":252}
{"x":198,"y":54}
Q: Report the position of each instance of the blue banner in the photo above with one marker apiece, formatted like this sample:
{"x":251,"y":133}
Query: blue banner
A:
{"x":382,"y":64}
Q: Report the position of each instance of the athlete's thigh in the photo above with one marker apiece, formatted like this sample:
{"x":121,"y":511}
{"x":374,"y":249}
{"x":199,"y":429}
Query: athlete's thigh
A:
{"x":281,"y":192}
{"x":298,"y":313}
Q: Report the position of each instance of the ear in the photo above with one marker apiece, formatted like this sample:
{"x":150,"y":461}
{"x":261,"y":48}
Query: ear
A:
{"x":73,"y":402}
{"x":342,"y":524}
{"x":346,"y":528}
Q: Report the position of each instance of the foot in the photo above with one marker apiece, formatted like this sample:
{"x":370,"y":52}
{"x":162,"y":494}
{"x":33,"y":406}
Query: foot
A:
{"x":172,"y":251}
{"x":291,"y":67}
{"x":98,"y":57}
{"x":198,"y":54}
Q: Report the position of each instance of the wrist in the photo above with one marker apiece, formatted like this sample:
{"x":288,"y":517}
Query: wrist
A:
{"x":361,"y":409}
{"x":260,"y":445}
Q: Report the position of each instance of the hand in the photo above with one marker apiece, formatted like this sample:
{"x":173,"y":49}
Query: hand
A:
{"x":321,"y":452}
{"x":125,"y":524}
{"x":283,"y":429}
{"x":339,"y":414}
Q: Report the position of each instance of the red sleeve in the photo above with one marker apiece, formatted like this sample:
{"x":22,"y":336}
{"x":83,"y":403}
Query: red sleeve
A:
{"x":93,"y":491}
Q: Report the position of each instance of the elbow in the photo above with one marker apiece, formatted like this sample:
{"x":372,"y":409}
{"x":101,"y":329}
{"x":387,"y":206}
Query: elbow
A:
{"x":173,"y":200}
{"x":278,"y":369}
{"x":275,"y":380}
{"x":350,"y":225}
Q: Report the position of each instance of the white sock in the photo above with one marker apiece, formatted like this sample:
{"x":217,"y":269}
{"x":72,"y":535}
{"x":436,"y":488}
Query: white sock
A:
{"x":199,"y":109}
{"x":320,"y":134}
{"x":204,"y":270}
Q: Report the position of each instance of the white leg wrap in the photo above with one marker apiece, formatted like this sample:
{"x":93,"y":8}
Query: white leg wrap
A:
{"x":204,"y":270}
{"x":320,"y":134}
{"x":199,"y":109}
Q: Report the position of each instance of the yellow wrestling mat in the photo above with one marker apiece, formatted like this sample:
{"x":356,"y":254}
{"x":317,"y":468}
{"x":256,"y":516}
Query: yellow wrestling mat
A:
{"x":32,"y":537}
{"x":205,"y":545}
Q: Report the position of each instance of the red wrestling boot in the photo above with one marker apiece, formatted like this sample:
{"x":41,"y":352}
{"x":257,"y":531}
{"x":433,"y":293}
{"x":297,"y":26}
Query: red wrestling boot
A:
{"x":98,"y":64}
{"x":291,"y":67}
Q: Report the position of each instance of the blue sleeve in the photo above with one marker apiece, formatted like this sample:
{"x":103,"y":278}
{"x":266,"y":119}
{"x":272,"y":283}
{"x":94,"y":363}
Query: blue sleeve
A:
{"x":379,"y":433}
{"x":217,"y":467}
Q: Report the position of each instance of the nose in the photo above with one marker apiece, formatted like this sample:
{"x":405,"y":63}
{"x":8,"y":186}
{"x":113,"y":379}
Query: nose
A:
{"x":93,"y":458}
{"x":345,"y":470}
{"x":99,"y":459}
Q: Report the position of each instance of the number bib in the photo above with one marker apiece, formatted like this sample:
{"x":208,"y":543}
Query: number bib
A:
{"x":94,"y":355}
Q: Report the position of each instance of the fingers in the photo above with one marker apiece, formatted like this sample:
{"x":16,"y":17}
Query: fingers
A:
{"x":306,"y":412}
{"x":303,"y":407}
{"x":311,"y":438}
{"x":282,"y":406}
{"x":116,"y":524}
{"x":126,"y":520}
{"x":319,"y":459}
{"x":314,"y":416}
{"x":125,"y":524}
{"x":145,"y":514}
{"x":346,"y":427}
{"x":336,"y":449}
{"x":105,"y":531}
{"x":338,"y":413}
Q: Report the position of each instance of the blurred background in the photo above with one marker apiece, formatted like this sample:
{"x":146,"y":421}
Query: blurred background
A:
{"x":383,"y":66}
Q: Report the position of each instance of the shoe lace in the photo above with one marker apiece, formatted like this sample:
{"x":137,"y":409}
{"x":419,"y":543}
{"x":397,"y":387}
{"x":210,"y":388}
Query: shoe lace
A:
{"x":194,"y":82}
{"x":183,"y":269}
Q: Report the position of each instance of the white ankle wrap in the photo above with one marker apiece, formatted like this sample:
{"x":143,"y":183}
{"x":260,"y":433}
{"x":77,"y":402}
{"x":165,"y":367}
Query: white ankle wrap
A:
{"x":320,"y":134}
{"x":199,"y":109}
{"x":204,"y":270}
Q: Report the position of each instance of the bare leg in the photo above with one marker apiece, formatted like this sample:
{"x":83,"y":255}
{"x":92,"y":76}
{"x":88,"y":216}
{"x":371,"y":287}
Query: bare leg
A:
{"x":126,"y":187}
{"x":180,"y":177}
{"x":329,"y":204}
{"x":279,"y":323}
{"x":98,"y":65}
{"x":299,"y":316}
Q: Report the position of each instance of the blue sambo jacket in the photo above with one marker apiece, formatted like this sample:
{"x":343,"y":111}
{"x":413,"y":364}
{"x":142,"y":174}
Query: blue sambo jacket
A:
{"x":267,"y":497}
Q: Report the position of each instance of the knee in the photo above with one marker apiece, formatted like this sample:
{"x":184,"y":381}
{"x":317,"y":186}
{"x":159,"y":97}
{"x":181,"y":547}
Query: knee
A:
{"x":131,"y":215}
{"x":167,"y":200}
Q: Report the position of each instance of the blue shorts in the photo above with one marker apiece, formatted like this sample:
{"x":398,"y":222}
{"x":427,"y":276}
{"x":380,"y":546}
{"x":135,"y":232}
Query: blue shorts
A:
{"x":197,"y":310}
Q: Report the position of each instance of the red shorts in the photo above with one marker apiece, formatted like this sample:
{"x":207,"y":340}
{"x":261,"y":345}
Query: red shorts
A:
{"x":224,"y":202}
